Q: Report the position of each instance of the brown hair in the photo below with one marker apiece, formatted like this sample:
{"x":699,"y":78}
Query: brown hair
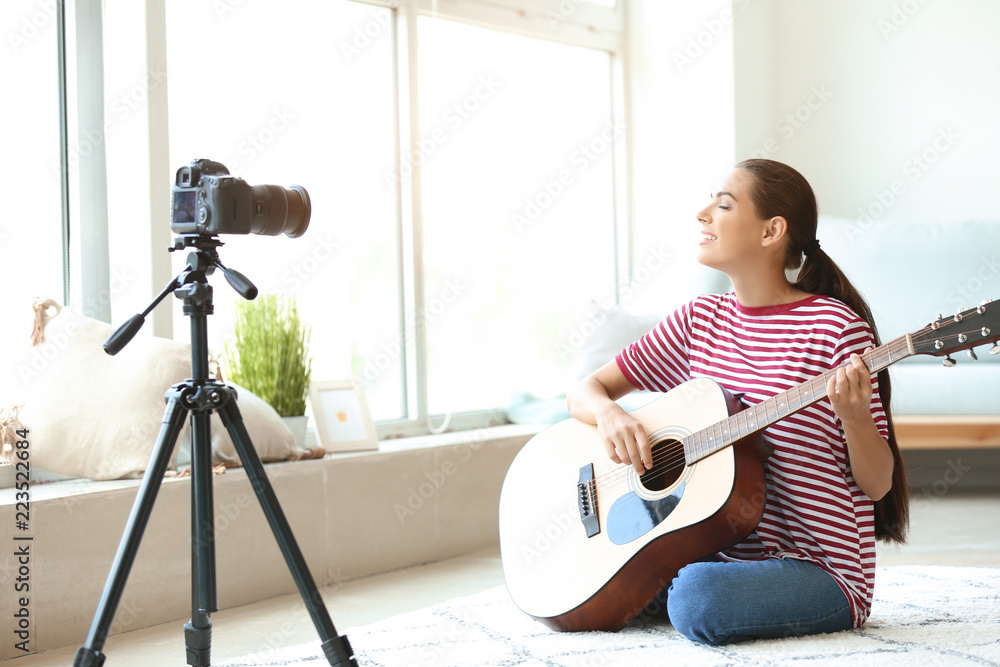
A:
{"x":778,"y":190}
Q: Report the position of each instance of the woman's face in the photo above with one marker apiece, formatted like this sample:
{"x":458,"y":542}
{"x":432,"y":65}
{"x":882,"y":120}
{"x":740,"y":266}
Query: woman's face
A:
{"x":731,"y":231}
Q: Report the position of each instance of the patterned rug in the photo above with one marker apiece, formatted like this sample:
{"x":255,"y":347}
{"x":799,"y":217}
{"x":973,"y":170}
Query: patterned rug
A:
{"x":921,"y":616}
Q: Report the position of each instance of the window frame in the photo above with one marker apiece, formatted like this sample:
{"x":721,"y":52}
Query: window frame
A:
{"x":571,"y":22}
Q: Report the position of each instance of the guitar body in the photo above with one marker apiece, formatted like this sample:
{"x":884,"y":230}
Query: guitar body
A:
{"x":563,"y":573}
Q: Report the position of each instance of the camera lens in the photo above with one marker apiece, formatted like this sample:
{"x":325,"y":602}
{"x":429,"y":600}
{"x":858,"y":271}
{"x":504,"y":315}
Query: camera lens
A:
{"x":278,"y":210}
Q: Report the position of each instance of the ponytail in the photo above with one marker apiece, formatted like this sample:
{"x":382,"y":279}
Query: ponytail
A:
{"x":820,"y":275}
{"x":779,"y":190}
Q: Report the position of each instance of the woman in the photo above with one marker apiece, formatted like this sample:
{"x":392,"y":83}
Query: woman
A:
{"x":835,"y":481}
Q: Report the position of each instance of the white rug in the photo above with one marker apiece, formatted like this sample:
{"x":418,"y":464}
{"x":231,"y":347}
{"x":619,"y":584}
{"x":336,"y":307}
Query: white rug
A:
{"x":921,"y":616}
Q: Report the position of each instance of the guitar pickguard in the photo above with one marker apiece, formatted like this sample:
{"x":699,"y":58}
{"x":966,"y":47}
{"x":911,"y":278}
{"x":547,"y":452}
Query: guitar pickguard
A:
{"x":632,"y":516}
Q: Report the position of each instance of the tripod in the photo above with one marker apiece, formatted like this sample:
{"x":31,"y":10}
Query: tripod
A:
{"x":201,"y":395}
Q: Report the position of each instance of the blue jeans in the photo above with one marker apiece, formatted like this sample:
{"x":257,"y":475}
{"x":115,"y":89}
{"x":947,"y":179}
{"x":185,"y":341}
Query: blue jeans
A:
{"x":716,"y":602}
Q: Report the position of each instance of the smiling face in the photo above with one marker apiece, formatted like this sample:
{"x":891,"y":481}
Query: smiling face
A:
{"x":732,"y":234}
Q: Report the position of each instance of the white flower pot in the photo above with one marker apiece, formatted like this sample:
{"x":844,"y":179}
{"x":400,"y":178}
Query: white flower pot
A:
{"x":298,"y":427}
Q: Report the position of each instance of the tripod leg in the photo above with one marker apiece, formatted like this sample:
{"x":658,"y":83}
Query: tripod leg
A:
{"x":89,"y":655}
{"x":198,"y":631}
{"x":336,"y":647}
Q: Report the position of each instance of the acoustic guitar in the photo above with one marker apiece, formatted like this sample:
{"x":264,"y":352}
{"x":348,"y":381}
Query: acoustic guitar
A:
{"x":586,"y":543}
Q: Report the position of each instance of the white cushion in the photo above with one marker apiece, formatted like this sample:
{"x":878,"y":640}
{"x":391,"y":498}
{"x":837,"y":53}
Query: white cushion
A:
{"x":97,"y":416}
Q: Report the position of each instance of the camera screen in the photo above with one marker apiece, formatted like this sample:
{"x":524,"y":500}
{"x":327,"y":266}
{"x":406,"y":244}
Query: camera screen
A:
{"x":184,"y":205}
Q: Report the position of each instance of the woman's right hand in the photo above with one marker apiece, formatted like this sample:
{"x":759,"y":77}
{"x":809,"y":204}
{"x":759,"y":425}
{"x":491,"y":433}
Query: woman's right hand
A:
{"x":624,"y":438}
{"x":592,"y":401}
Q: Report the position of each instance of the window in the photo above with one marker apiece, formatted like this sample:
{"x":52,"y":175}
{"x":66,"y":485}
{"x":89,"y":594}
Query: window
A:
{"x":31,"y":260}
{"x":129,"y":84}
{"x":518,"y":209}
{"x":447,"y":264}
{"x":285,"y":93}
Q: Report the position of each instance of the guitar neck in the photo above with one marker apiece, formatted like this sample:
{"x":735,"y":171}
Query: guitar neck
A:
{"x":709,"y":440}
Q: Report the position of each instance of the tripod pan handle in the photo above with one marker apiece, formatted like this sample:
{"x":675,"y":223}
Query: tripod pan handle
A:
{"x":120,"y":338}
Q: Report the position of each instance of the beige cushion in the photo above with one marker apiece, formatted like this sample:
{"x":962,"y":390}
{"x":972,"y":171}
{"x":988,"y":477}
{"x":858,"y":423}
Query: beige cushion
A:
{"x":97,"y":416}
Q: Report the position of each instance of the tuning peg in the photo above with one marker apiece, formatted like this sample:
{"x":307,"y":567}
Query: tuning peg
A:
{"x":972,"y":355}
{"x":995,"y":349}
{"x":948,"y":361}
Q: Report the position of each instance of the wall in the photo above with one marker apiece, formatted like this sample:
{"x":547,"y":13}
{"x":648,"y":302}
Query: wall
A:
{"x":888,"y":107}
{"x":681,"y":56}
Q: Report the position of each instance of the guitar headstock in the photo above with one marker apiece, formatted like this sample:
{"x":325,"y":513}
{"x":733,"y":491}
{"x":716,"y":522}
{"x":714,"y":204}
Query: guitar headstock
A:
{"x":962,"y":331}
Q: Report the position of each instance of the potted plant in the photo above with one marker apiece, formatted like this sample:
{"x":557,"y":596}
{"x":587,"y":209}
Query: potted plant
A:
{"x":270,"y":357}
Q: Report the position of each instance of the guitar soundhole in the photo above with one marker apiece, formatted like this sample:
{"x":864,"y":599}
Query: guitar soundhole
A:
{"x":668,"y":464}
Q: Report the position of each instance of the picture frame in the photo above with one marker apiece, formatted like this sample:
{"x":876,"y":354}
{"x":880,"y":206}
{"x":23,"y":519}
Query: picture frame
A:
{"x":340,"y":410}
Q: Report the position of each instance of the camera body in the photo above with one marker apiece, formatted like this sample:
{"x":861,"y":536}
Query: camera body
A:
{"x":207,"y":200}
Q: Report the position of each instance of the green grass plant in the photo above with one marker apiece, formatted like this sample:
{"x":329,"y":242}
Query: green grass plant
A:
{"x":270,"y":353}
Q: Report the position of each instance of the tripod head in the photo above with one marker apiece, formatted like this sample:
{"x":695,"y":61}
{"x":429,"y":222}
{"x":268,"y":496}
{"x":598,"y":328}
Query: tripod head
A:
{"x":190,"y":285}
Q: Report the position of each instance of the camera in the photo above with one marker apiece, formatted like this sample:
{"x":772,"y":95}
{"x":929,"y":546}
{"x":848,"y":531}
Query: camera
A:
{"x":207,"y":200}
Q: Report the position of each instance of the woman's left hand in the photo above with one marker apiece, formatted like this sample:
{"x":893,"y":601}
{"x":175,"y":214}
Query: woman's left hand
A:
{"x":871,"y":459}
{"x":850,"y":391}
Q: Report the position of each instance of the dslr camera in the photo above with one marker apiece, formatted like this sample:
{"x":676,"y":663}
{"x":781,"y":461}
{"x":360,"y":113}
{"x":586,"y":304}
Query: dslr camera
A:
{"x":207,"y":200}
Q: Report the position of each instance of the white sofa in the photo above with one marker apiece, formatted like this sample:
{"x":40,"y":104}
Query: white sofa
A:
{"x":910,"y":272}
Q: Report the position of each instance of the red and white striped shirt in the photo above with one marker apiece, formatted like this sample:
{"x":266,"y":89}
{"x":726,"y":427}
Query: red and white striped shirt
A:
{"x":814,"y":510}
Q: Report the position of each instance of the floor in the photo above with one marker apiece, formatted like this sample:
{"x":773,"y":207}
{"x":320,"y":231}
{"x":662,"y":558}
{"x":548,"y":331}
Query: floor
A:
{"x":950,"y":529}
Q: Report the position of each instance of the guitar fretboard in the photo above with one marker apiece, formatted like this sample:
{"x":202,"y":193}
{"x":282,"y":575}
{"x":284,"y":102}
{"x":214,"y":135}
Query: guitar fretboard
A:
{"x":722,"y":434}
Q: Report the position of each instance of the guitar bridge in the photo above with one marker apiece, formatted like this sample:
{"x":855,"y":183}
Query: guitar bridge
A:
{"x":587,"y":499}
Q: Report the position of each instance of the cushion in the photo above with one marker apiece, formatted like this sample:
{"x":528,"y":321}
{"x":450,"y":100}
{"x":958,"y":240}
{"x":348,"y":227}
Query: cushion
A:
{"x":97,"y":416}
{"x":607,"y":332}
{"x":614,"y":328}
{"x":271,"y":437}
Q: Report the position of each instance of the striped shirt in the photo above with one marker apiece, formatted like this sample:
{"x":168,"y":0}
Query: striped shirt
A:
{"x":814,"y":509}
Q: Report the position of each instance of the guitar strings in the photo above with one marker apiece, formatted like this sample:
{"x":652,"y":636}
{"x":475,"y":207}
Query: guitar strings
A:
{"x":674,"y":453}
{"x":620,"y":473}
